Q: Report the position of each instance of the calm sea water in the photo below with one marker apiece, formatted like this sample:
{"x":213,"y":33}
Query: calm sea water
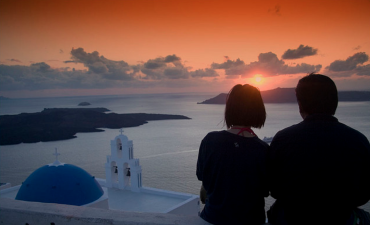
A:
{"x":167,"y":149}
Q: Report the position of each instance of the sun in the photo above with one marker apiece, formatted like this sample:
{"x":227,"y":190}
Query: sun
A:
{"x":257,"y":79}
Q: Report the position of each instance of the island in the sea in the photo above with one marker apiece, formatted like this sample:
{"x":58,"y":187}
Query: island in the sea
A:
{"x":63,"y":123}
{"x":287,"y":95}
{"x":84,"y":104}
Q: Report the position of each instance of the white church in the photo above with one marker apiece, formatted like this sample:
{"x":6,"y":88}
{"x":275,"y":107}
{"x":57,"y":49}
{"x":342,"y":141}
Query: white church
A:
{"x":122,"y":189}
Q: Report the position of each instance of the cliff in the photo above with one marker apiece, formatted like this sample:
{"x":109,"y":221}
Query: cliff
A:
{"x":287,"y":95}
{"x":64,"y":123}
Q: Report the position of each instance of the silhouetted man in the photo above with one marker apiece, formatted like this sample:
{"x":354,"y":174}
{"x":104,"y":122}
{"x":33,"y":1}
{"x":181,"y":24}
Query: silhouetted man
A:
{"x":319,"y":168}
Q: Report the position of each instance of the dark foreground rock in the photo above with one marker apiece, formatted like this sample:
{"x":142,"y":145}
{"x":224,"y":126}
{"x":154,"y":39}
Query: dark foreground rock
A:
{"x":287,"y":95}
{"x":63,"y":123}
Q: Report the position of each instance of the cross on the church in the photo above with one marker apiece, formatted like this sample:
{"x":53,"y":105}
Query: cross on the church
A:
{"x":121,"y":131}
{"x":56,"y":154}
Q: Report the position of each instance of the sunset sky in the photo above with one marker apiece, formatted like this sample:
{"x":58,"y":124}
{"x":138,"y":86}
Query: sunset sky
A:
{"x":97,"y":47}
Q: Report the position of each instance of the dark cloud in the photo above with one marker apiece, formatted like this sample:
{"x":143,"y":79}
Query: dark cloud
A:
{"x":169,"y":67}
{"x":171,"y":58}
{"x":14,"y":60}
{"x":154,"y":64}
{"x":103,"y":73}
{"x":151,"y":74}
{"x":176,"y":73}
{"x":162,"y":62}
{"x":97,"y":64}
{"x":300,"y":52}
{"x":98,"y":67}
{"x":268,"y":64}
{"x":357,"y":48}
{"x":204,"y":73}
{"x":349,"y":64}
{"x":275,"y":10}
{"x":228,"y":64}
{"x":27,"y":77}
{"x":40,"y":76}
{"x":363,"y":70}
{"x":301,"y":68}
{"x":40,"y":67}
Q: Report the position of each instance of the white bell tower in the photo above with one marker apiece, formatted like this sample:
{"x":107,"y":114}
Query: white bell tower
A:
{"x":122,"y":171}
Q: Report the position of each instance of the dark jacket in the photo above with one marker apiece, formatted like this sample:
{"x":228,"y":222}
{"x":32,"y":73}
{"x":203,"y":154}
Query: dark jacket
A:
{"x":319,"y":171}
{"x":233,"y":171}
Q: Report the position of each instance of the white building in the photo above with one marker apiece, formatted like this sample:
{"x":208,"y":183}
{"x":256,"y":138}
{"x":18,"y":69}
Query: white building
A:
{"x":121,"y":190}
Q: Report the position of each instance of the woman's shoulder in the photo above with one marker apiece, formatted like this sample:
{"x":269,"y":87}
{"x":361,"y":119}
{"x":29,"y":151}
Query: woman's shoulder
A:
{"x":217,"y":133}
{"x":261,"y":142}
{"x":222,"y":135}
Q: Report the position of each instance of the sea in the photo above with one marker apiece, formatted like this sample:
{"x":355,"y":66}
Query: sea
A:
{"x":167,"y":149}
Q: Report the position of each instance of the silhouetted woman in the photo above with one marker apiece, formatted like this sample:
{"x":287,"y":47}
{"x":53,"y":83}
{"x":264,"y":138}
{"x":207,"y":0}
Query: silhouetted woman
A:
{"x":232,"y":163}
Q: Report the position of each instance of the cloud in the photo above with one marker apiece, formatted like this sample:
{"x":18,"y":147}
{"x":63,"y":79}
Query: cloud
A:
{"x":349,"y":64}
{"x":116,"y":70}
{"x":151,"y":64}
{"x":300,"y":52}
{"x":101,"y":73}
{"x":169,"y":67}
{"x":301,"y":68}
{"x":40,"y":67}
{"x":204,"y":73}
{"x":363,"y":70}
{"x":162,"y":62}
{"x":172,"y":58}
{"x":166,"y":71}
{"x":40,"y":76}
{"x":14,"y":60}
{"x":151,"y":74}
{"x":228,"y":64}
{"x":268,"y":64}
{"x":357,"y":48}
{"x":176,"y":73}
{"x":275,"y":10}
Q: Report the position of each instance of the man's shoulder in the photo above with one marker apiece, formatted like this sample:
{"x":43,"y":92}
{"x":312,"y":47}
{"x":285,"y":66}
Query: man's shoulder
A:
{"x":351,"y":132}
{"x":302,"y":129}
{"x":293,"y":129}
{"x":289,"y":134}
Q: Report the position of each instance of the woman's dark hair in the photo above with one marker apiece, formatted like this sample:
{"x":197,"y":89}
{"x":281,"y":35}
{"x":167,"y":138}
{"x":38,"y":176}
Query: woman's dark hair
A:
{"x":244,"y":107}
{"x":317,"y":93}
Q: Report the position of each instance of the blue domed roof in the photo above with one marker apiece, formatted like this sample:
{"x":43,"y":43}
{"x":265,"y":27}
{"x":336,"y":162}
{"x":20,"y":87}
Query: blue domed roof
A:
{"x":63,"y":184}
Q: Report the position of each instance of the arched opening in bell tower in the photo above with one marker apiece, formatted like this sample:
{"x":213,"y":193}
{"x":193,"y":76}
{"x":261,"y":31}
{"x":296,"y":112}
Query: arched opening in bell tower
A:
{"x":119,"y":148}
{"x":114,"y":172}
{"x":127,"y":174}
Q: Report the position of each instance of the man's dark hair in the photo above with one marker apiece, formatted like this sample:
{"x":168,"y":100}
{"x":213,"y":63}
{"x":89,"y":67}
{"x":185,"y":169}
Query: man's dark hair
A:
{"x":244,"y":107}
{"x":317,"y":93}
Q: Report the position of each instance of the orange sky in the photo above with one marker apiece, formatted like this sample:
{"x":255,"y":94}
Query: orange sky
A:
{"x":201,"y":33}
